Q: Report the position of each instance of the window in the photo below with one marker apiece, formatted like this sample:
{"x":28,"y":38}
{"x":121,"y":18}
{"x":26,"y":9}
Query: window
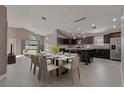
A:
{"x":99,"y":40}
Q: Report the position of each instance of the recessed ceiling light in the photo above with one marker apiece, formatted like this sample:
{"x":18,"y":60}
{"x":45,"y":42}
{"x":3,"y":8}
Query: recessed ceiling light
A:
{"x":82,"y":32}
{"x":114,"y":19}
{"x":122,"y":17}
{"x":78,"y":28}
{"x":93,"y":25}
{"x":114,"y":26}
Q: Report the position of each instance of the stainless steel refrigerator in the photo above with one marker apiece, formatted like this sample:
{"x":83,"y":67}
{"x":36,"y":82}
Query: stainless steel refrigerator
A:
{"x":115,"y":48}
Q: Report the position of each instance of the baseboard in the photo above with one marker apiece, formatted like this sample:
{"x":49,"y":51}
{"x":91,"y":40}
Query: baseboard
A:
{"x":3,"y":76}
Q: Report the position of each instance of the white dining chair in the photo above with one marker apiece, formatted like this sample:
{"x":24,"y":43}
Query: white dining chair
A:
{"x":49,"y":60}
{"x":73,"y":65}
{"x":46,"y":68}
{"x":66,"y":54}
{"x":32,"y":61}
{"x":72,"y":54}
{"x":36,"y":63}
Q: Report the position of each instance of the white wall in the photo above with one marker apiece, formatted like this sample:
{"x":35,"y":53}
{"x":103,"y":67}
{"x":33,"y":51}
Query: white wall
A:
{"x":50,"y":40}
{"x":122,"y":41}
{"x":3,"y":41}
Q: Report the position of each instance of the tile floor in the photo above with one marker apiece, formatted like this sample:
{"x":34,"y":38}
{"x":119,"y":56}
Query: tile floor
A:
{"x":100,"y":73}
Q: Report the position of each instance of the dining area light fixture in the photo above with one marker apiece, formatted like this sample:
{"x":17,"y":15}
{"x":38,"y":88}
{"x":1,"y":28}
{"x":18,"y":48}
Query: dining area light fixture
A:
{"x":114,"y":26}
{"x":82,"y":32}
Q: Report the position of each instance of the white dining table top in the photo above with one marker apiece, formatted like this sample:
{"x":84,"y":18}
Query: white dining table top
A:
{"x":58,"y":56}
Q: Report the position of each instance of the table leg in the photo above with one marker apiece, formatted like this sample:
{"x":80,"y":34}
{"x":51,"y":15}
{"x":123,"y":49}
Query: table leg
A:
{"x":57,"y":70}
{"x":66,"y":69}
{"x":53,"y":61}
{"x":86,"y":59}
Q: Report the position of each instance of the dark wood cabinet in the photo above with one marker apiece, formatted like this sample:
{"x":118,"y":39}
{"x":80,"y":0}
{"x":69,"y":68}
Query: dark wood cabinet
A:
{"x":65,"y":41}
{"x":107,"y":38}
{"x":87,"y":40}
{"x":102,"y":53}
{"x":62,"y":41}
{"x":116,"y":34}
{"x":90,"y":40}
{"x":73,"y":41}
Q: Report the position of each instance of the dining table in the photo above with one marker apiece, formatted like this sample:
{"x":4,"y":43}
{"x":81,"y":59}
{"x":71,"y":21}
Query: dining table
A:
{"x":57,"y":58}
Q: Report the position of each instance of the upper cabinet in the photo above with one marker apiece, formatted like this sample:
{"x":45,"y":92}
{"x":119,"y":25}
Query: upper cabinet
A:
{"x":73,"y":41}
{"x":65,"y":41}
{"x":62,"y":41}
{"x":116,"y":34}
{"x":111,"y":35}
{"x":107,"y":38}
{"x":87,"y":40}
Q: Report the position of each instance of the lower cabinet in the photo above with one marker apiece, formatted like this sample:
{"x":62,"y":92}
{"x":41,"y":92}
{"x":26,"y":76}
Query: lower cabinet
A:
{"x":87,"y":55}
{"x":102,"y":53}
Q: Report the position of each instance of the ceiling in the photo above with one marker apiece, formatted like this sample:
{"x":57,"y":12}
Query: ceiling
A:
{"x":62,"y":17}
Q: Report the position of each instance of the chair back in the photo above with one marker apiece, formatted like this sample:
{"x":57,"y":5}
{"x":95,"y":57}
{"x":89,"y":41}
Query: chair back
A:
{"x":75,"y":62}
{"x":37,"y":60}
{"x":43,"y":62}
{"x":74,"y":54}
{"x":32,"y":58}
{"x":66,"y":53}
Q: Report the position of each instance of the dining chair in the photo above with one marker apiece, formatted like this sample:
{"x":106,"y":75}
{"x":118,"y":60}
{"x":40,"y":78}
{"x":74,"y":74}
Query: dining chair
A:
{"x":72,"y":54}
{"x":49,"y":61}
{"x":46,"y":68}
{"x":67,"y":53}
{"x":32,"y":61}
{"x":72,"y":66}
{"x":36,"y":63}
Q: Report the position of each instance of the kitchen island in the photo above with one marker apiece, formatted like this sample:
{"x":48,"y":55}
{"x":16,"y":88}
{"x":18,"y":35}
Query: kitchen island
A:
{"x":86,"y":54}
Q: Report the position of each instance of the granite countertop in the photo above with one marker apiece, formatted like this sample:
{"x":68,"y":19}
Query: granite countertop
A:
{"x":90,"y":48}
{"x":79,"y":48}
